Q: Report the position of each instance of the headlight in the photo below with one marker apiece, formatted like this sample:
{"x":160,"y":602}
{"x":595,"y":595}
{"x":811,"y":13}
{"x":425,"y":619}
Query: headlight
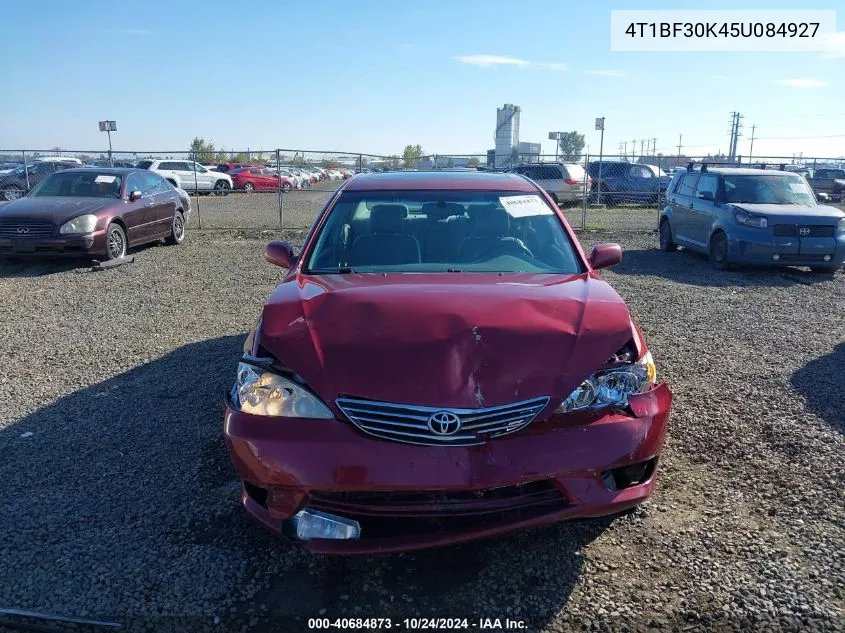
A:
{"x":82,"y":224}
{"x":841,"y":227}
{"x":611,"y":387}
{"x":757,"y":221}
{"x":262,"y":392}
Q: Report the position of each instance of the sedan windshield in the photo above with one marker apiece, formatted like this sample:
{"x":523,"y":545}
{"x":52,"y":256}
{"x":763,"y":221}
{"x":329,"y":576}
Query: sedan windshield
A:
{"x":90,"y":184}
{"x":442,"y":231}
{"x":783,"y":188}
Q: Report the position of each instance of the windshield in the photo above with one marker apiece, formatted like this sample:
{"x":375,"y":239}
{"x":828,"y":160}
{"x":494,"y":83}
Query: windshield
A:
{"x":780,"y":188}
{"x":442,"y":231}
{"x":88,"y":185}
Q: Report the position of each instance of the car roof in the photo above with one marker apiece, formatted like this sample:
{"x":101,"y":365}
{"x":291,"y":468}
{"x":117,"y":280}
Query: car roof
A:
{"x":746,"y":170}
{"x":464,"y":180}
{"x":117,"y":171}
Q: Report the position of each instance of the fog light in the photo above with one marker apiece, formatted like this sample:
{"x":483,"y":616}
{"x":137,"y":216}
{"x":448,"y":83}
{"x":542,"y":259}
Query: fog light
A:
{"x":312,"y":524}
{"x":775,"y":257}
{"x":827,"y":258}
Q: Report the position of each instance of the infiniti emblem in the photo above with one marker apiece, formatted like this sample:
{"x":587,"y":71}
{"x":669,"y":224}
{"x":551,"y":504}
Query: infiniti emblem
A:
{"x":23,"y":229}
{"x":804,"y":230}
{"x":444,"y":423}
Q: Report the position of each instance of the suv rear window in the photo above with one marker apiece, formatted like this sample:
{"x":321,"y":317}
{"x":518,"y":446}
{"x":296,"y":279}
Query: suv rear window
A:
{"x":143,"y":164}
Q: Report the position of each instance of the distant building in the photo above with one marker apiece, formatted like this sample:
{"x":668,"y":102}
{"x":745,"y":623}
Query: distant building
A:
{"x":507,"y":134}
{"x":529,"y":152}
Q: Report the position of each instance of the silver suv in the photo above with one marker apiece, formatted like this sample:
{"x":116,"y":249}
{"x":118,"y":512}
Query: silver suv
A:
{"x":563,"y":181}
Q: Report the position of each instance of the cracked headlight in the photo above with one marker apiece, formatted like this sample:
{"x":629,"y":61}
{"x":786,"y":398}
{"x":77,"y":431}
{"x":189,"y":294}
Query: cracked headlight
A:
{"x":262,"y":392}
{"x":83,"y":224}
{"x":611,"y":387}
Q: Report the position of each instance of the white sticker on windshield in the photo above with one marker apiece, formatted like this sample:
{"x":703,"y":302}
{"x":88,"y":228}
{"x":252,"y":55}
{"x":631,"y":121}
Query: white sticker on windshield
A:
{"x":103,"y":178}
{"x":523,"y":206}
{"x":799,"y":187}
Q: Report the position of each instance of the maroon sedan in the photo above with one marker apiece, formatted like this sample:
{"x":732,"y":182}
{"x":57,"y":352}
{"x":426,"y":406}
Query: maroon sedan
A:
{"x":94,"y":211}
{"x":259,"y":179}
{"x":441,"y":363}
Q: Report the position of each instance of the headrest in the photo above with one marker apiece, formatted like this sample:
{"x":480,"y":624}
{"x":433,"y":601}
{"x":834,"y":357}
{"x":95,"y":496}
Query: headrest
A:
{"x":490,"y":220}
{"x":387,"y":218}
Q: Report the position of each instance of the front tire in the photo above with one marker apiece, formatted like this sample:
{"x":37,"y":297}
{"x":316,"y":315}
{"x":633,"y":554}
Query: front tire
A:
{"x":249,"y":186}
{"x":221,"y":188}
{"x":177,"y":230}
{"x":115,"y":241}
{"x":667,"y":244}
{"x":286,"y":187}
{"x":718,"y":251}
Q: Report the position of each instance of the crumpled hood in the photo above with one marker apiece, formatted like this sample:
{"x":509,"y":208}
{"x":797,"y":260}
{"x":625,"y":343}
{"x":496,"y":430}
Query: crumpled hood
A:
{"x":56,"y":210}
{"x":808,"y":212}
{"x":468,"y":341}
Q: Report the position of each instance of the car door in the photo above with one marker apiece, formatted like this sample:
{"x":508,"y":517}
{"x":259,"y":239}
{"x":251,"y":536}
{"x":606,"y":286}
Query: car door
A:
{"x":269,"y":179}
{"x":163,"y":206}
{"x":137,"y":213}
{"x":682,"y":207}
{"x":703,"y":212}
{"x":642,"y":183}
{"x":205,"y":179}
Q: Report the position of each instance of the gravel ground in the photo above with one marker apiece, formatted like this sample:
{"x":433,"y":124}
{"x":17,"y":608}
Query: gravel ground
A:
{"x":118,"y":500}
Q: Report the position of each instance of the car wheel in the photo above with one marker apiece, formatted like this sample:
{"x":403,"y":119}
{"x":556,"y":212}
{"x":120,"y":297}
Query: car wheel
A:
{"x":177,"y":229}
{"x":248,"y":186}
{"x":719,"y":251}
{"x":221,"y":188}
{"x":12,"y":192}
{"x":115,"y":241}
{"x":286,"y":187}
{"x":667,"y":244}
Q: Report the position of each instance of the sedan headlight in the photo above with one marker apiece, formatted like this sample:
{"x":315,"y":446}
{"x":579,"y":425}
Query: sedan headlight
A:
{"x":83,"y":224}
{"x":841,"y":227}
{"x":757,"y":221}
{"x":262,"y":392}
{"x":612,"y":387}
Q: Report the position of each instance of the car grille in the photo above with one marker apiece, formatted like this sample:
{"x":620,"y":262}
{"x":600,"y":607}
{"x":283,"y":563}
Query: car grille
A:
{"x":410,"y":424}
{"x":25,"y":229}
{"x":440,"y":503}
{"x":794,"y":230}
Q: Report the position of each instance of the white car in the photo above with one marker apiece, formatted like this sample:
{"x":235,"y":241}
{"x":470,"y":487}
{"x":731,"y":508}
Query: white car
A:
{"x":563,"y":181}
{"x":299,"y":181}
{"x":190,"y":176}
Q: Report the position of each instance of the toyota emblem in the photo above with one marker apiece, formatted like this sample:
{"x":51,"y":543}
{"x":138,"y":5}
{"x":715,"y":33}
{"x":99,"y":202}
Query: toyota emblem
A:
{"x":444,"y":423}
{"x":804,"y":230}
{"x":23,"y":229}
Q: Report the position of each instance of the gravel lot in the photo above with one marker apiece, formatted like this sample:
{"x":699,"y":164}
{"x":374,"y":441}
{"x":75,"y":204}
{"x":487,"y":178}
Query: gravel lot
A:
{"x":122,"y":504}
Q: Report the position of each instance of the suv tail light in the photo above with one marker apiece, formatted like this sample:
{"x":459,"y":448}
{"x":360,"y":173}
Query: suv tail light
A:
{"x":572,"y":181}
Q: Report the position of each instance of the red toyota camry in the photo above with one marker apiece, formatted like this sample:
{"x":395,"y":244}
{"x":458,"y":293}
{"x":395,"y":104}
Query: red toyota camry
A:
{"x":441,"y":363}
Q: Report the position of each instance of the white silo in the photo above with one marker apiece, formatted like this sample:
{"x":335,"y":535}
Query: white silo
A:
{"x":507,"y":133}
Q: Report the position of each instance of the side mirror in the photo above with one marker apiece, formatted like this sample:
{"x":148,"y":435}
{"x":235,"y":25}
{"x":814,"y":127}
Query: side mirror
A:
{"x":705,"y":195}
{"x":605,"y":255}
{"x":823,"y":196}
{"x":135,"y":195}
{"x":281,"y":254}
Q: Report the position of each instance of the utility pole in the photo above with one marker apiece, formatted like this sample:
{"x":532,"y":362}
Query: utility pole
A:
{"x":680,"y":138}
{"x":633,"y":148}
{"x":625,"y":150}
{"x":620,"y":149}
{"x":654,"y":147}
{"x":642,"y":142}
{"x":751,"y":149}
{"x":735,"y":134}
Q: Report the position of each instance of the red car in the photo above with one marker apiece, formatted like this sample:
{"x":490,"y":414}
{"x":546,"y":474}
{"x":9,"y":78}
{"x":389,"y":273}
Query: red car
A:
{"x":259,"y":179}
{"x":441,"y":363}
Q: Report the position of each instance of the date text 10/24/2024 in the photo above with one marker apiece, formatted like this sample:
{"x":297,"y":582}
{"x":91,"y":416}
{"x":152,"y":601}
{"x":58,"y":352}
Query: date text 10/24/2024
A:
{"x":417,"y":624}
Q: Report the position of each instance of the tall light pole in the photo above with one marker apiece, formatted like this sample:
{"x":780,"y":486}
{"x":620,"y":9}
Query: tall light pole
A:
{"x":600,"y":126}
{"x":109,"y":127}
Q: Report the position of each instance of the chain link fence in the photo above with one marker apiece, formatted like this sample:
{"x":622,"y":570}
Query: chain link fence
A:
{"x":287,"y":188}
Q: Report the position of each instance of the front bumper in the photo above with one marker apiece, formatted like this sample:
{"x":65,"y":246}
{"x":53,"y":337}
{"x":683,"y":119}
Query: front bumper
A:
{"x":749,"y":246}
{"x":549,"y":472}
{"x":56,"y":246}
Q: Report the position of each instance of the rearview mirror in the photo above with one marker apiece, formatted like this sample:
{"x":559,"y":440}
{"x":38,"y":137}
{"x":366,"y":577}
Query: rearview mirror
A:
{"x":605,"y":255}
{"x":281,"y":254}
{"x":135,"y":195}
{"x":705,"y":195}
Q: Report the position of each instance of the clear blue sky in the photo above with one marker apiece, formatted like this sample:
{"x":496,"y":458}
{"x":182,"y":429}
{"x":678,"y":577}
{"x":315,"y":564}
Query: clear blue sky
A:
{"x":373,"y":76}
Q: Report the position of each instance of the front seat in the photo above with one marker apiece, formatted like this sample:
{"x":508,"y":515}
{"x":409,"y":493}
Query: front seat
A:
{"x":489,"y":239}
{"x":386,"y":244}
